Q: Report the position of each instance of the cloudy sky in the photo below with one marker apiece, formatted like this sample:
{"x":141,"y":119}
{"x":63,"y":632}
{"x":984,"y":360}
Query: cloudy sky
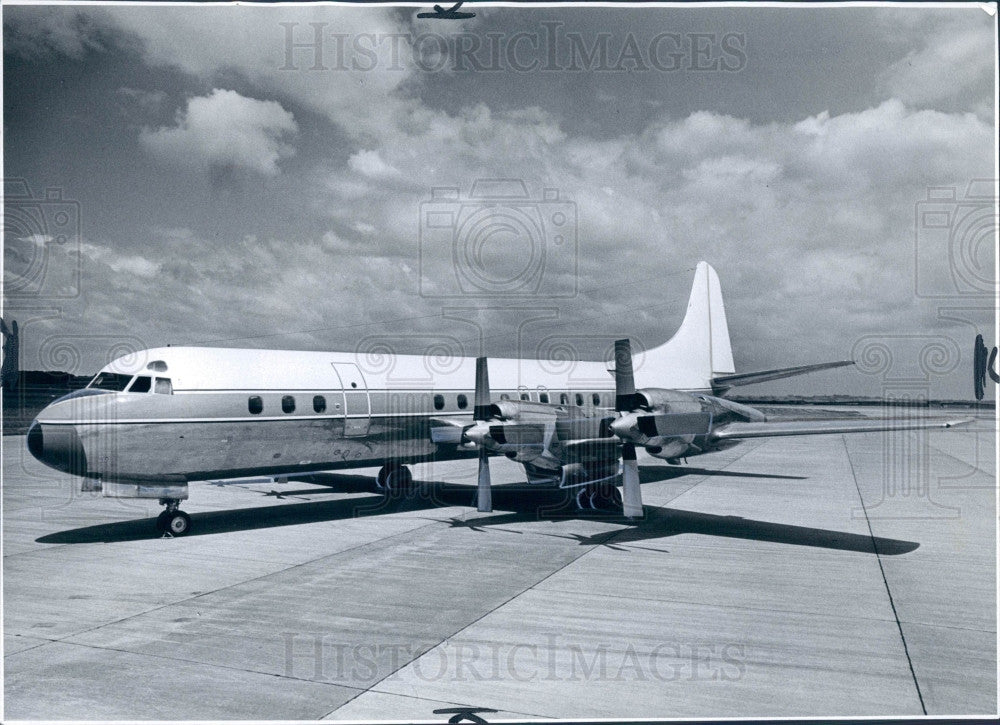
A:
{"x":267,"y":176}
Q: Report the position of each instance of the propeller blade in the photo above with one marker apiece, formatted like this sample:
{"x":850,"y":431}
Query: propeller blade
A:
{"x":626,"y":400}
{"x":625,"y":397}
{"x":481,"y":412}
{"x":481,"y":404}
{"x":632,"y":495}
{"x":485,"y":498}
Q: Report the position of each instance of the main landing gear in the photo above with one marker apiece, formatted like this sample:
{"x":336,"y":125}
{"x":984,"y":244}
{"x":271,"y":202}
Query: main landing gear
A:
{"x":173,"y":521}
{"x":394,"y":479}
{"x":599,"y":497}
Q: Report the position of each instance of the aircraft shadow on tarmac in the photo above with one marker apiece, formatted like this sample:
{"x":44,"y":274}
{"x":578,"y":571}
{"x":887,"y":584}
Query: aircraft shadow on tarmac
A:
{"x":520,"y":503}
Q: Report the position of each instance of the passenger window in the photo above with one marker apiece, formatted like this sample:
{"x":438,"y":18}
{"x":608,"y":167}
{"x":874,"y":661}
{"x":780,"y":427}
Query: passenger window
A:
{"x":141,"y":385}
{"x":504,"y":396}
{"x":438,"y":402}
{"x":287,"y":404}
{"x":319,"y":403}
{"x":564,"y":398}
{"x":163,"y":386}
{"x":543,"y":397}
{"x":525,"y":396}
{"x":463,"y":402}
{"x":596,"y":398}
{"x":255,"y":404}
{"x":579,"y":399}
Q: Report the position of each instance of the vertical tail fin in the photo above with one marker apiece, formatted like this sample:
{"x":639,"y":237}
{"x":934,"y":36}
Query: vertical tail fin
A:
{"x":700,"y":349}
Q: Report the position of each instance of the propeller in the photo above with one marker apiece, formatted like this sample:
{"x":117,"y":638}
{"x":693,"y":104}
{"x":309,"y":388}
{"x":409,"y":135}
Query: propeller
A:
{"x":626,"y":401}
{"x":481,"y":414}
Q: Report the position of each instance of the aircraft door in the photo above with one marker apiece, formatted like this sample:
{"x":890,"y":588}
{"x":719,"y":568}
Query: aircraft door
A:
{"x":357,"y":405}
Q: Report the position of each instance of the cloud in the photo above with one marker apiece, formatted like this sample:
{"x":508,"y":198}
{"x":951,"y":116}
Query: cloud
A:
{"x":49,"y":31}
{"x":809,"y":219}
{"x":225,"y":130}
{"x":126,"y":264}
{"x":809,"y":222}
{"x":275,"y":49}
{"x":147,"y":101}
{"x":369,"y":163}
{"x":951,"y":59}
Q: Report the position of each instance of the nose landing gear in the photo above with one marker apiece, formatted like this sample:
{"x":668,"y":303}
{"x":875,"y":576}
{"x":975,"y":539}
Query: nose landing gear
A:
{"x":173,"y":521}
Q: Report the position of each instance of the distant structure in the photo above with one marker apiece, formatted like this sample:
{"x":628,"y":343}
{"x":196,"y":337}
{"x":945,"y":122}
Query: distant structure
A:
{"x":11,"y":351}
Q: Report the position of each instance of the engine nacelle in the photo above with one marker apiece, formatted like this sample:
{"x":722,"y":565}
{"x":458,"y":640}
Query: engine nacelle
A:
{"x":670,"y":401}
{"x":521,"y":410}
{"x":672,"y":448}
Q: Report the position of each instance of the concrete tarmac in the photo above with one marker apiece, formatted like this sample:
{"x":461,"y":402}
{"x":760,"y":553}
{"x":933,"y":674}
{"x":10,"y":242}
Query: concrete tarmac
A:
{"x":823,"y":575}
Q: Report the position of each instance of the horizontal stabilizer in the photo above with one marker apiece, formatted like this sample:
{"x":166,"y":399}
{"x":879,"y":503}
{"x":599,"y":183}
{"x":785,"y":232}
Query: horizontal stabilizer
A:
{"x":724,"y":382}
{"x":821,"y":427}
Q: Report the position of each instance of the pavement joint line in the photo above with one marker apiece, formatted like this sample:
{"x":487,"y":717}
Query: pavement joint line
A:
{"x":507,"y":601}
{"x":239,"y":583}
{"x":28,"y":649}
{"x":202,"y":664}
{"x":965,"y":463}
{"x":947,"y":626}
{"x":885,"y":580}
{"x":597,"y":544}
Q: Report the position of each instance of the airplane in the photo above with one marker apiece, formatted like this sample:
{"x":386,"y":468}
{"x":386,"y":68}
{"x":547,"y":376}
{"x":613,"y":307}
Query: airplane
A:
{"x":151,"y":422}
{"x":452,"y":13}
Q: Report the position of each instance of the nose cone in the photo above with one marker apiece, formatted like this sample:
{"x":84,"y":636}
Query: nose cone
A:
{"x":57,"y":446}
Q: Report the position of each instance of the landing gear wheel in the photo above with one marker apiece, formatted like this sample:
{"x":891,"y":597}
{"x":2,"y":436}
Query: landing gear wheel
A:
{"x":173,"y":521}
{"x":178,"y":523}
{"x":605,"y":497}
{"x":399,"y":481}
{"x":383,"y":475}
{"x":597,"y":499}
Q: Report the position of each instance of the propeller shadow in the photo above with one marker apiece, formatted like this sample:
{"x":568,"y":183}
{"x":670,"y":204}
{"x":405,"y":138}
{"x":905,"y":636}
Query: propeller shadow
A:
{"x":523,"y":505}
{"x":649,"y":474}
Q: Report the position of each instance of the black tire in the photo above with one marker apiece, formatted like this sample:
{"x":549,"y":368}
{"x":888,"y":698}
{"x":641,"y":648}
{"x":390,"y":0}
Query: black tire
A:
{"x":178,"y":523}
{"x":161,"y":522}
{"x":381,"y":476}
{"x":604,"y":498}
{"x":596,"y":500}
{"x":399,"y":482}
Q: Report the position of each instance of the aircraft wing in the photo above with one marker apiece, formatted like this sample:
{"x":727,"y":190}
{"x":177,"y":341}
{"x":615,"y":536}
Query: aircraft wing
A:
{"x":724,"y":382}
{"x":820,"y":427}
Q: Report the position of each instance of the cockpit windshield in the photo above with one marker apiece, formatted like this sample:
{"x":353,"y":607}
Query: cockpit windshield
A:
{"x":116,"y":382}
